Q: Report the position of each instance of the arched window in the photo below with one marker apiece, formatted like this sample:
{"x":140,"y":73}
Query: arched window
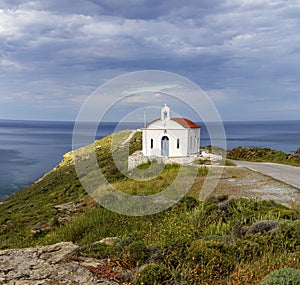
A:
{"x":151,"y":143}
{"x":178,"y":143}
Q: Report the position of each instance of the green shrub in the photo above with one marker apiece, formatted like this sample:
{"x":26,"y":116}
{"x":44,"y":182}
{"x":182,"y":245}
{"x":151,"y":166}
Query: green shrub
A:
{"x":288,"y":214}
{"x":249,"y":249}
{"x":153,"y":274}
{"x":209,"y":259}
{"x":287,"y":237}
{"x":189,"y":202}
{"x":253,"y":246}
{"x":135,"y":142}
{"x":209,"y":208}
{"x":100,"y":251}
{"x":229,"y":163}
{"x":138,"y":252}
{"x":202,"y":171}
{"x":264,"y":154}
{"x":284,"y":276}
{"x":175,"y":252}
{"x":205,"y":214}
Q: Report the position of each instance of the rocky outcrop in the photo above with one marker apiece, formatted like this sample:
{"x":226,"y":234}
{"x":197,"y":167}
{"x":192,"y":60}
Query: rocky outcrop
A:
{"x":209,"y":158}
{"x":40,"y":226}
{"x":259,"y":227}
{"x":67,"y":210}
{"x":47,"y":265}
{"x":224,"y":205}
{"x":295,"y":155}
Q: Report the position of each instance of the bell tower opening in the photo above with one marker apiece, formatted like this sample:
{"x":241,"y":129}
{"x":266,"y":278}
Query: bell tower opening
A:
{"x":165,"y":113}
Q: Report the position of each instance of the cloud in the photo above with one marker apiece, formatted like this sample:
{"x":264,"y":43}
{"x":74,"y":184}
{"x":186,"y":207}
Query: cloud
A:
{"x":241,"y":49}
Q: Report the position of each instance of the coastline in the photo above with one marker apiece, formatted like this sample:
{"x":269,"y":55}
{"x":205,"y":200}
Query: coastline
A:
{"x":31,"y":148}
{"x":57,"y":209}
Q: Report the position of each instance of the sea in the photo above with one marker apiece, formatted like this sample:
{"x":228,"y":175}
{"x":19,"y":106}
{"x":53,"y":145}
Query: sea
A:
{"x":29,"y":149}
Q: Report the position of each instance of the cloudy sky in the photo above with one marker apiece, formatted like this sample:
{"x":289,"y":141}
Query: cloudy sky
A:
{"x":245,"y":54}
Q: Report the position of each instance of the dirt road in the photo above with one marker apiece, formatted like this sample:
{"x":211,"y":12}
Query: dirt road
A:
{"x":284,"y":173}
{"x":255,"y":180}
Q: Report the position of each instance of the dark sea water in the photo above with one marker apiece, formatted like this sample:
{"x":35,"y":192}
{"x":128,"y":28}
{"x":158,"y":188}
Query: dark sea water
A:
{"x":28,"y":149}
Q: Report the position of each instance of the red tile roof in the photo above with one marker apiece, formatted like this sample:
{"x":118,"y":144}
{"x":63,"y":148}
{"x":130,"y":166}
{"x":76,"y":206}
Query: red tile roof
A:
{"x":186,"y":123}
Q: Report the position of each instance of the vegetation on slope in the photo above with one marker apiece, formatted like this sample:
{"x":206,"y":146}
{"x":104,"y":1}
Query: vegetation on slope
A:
{"x":264,"y":155}
{"x":217,"y":241}
{"x":195,"y":242}
{"x":22,"y":210}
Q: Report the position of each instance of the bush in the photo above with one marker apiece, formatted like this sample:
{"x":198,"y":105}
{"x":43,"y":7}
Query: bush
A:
{"x":284,"y":276}
{"x":100,"y":251}
{"x":249,"y":249}
{"x":288,"y":214}
{"x":254,"y":246}
{"x":138,"y":252}
{"x":175,"y":252}
{"x":205,"y":214}
{"x":209,"y":259}
{"x":189,"y":202}
{"x":152,"y":274}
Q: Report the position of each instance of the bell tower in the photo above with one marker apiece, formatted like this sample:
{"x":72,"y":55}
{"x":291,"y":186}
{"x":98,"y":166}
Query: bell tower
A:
{"x":165,"y":113}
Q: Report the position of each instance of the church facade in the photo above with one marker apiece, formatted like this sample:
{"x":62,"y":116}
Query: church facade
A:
{"x":170,"y":137}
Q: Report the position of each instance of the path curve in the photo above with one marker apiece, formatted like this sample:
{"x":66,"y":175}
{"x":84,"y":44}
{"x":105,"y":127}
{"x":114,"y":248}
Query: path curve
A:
{"x":285,"y":173}
{"x":132,"y":133}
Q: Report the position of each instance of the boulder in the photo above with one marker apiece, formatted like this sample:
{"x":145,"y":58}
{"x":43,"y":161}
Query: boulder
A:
{"x":259,"y":227}
{"x":108,"y":240}
{"x":66,"y":211}
{"x":40,"y":226}
{"x":295,"y":155}
{"x":224,"y":205}
{"x":45,"y":265}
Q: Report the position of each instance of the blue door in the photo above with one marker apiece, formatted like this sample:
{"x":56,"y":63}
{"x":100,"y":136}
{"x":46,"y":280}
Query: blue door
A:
{"x":165,"y":146}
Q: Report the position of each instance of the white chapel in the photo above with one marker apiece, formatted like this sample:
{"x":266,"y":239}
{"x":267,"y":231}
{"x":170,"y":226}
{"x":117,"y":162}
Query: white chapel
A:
{"x":170,"y":137}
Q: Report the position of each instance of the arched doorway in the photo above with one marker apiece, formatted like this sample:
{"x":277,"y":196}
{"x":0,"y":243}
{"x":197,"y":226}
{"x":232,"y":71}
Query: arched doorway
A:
{"x":165,"y":146}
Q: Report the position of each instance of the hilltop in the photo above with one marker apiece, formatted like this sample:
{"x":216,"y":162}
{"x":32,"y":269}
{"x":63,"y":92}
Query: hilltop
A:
{"x":222,"y":240}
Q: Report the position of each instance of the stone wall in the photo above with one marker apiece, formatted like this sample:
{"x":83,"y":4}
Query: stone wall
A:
{"x":138,"y":158}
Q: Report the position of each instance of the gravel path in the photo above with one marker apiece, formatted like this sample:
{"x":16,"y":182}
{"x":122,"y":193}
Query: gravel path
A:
{"x":285,"y":173}
{"x":132,"y":133}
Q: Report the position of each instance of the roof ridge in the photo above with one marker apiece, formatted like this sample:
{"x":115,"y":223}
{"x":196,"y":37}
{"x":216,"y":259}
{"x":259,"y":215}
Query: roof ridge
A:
{"x":187,"y":123}
{"x":184,"y":122}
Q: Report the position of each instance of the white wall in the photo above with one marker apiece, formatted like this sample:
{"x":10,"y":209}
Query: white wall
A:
{"x":189,"y":139}
{"x":173,"y":135}
{"x":193,"y":141}
{"x":165,"y":124}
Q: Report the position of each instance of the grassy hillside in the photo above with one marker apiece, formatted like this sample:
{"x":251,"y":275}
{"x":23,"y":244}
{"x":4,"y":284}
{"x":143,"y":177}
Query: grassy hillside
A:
{"x":217,"y":241}
{"x":264,"y":155}
{"x":24,"y":209}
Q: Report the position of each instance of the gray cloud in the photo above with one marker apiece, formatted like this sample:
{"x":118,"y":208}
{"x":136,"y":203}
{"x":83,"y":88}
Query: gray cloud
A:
{"x":56,"y":52}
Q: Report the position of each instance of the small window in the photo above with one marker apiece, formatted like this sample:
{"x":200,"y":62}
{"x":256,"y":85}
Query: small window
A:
{"x":151,"y":143}
{"x":178,"y":141}
{"x":165,"y":115}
